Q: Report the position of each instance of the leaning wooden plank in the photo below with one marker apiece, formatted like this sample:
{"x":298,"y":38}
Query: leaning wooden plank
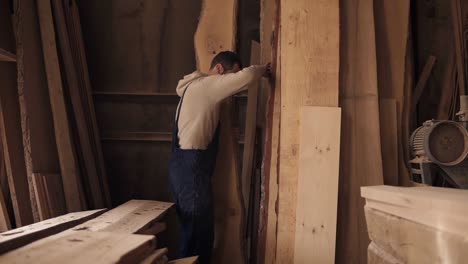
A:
{"x":131,"y":217}
{"x":10,"y":127}
{"x":41,"y":197}
{"x":7,"y":56}
{"x":317,"y":191}
{"x":86,"y":247}
{"x":458,"y":33}
{"x":376,"y":255}
{"x":54,"y":194}
{"x":157,"y":257}
{"x":217,"y":32}
{"x":4,"y":218}
{"x":412,"y":242}
{"x":191,"y":260}
{"x":423,"y":78}
{"x":24,"y":235}
{"x":310,"y":52}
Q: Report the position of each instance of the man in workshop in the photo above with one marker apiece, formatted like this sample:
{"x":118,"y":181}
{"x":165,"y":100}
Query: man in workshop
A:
{"x":195,"y":146}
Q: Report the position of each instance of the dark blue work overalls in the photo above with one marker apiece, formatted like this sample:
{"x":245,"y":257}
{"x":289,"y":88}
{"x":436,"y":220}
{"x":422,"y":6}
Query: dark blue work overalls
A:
{"x":190,"y":173}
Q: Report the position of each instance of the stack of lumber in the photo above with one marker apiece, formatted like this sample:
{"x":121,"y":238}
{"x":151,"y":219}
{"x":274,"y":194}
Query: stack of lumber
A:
{"x":416,"y":224}
{"x":126,"y":234}
{"x":51,"y":147}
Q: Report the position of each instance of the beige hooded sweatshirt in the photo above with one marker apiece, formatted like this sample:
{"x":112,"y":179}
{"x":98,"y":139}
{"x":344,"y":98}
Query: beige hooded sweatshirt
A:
{"x":199,"y":115}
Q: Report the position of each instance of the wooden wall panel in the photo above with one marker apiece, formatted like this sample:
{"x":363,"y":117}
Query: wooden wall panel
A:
{"x":309,"y":76}
{"x":360,"y":161}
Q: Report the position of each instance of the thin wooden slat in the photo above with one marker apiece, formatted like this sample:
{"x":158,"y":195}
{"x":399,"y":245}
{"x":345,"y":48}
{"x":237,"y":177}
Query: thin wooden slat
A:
{"x":412,"y":242}
{"x":389,"y":139}
{"x":24,"y":235}
{"x":158,"y":257}
{"x":317,"y":191}
{"x":7,"y":56}
{"x":86,"y":247}
{"x":310,"y":42}
{"x":4,"y":218}
{"x":49,"y":191}
{"x":41,"y":197}
{"x":217,"y":32}
{"x":191,"y":260}
{"x":423,"y":78}
{"x":68,"y":160}
{"x":137,"y":136}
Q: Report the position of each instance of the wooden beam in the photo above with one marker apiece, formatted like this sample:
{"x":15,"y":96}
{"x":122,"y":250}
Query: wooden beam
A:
{"x":317,"y":189}
{"x":217,"y":32}
{"x":157,"y":257}
{"x":155,"y":229}
{"x":68,"y":160}
{"x":7,"y":56}
{"x":24,"y":235}
{"x":86,"y":247}
{"x":310,"y":52}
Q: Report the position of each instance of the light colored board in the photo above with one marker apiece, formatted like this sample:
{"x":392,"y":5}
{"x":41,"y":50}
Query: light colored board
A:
{"x":250,"y":131}
{"x":157,"y":257}
{"x":361,"y":160}
{"x":391,"y":38}
{"x":24,"y":235}
{"x":217,"y":32}
{"x":440,"y":208}
{"x":389,"y":140}
{"x":376,"y":255}
{"x":86,"y":247}
{"x":7,"y":56}
{"x":131,"y":217}
{"x":191,"y":260}
{"x":10,"y":126}
{"x":411,"y":242}
{"x":317,"y":191}
{"x":310,"y":40}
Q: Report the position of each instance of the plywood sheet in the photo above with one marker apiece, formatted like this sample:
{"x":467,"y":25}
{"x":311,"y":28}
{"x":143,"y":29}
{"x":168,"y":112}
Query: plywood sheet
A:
{"x":317,"y":189}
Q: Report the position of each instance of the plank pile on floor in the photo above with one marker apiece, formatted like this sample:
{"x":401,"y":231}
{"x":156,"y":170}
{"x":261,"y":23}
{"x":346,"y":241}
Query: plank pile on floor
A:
{"x":126,"y":234}
{"x":416,"y":224}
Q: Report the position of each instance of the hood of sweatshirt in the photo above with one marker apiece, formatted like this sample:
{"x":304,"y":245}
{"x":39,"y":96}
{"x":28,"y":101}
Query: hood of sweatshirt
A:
{"x":187,"y":80}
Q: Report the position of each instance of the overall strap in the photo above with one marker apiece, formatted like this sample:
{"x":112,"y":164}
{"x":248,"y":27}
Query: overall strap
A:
{"x":180,"y":107}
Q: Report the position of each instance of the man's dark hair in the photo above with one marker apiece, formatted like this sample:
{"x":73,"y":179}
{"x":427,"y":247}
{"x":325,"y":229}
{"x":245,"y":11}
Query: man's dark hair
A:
{"x":227,"y":59}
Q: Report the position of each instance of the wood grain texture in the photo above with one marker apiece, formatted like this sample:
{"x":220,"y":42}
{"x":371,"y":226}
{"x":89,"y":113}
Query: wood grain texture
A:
{"x":217,"y":32}
{"x":411,"y":242}
{"x":376,"y":255}
{"x":86,"y":247}
{"x":360,"y":160}
{"x":24,"y":235}
{"x":310,"y":37}
{"x":10,"y":127}
{"x":317,"y":188}
{"x":389,"y":140}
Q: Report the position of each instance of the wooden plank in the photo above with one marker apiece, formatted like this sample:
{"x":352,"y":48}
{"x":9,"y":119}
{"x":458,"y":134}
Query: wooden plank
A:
{"x":131,"y":217}
{"x":191,"y":260}
{"x":310,"y":37}
{"x":7,"y":56}
{"x":86,"y":247}
{"x":376,"y":255}
{"x":250,"y":130}
{"x":87,"y":100}
{"x":157,"y":257}
{"x":4,"y":217}
{"x":389,"y":139}
{"x":360,"y":161}
{"x":41,"y":197}
{"x":411,"y":242}
{"x":423,"y":78}
{"x":10,"y":127}
{"x":54,"y":194}
{"x":317,"y":198}
{"x":137,"y":136}
{"x":460,"y":51}
{"x":227,"y":192}
{"x":447,"y":89}
{"x":155,"y":229}
{"x":68,"y":160}
{"x":24,"y":235}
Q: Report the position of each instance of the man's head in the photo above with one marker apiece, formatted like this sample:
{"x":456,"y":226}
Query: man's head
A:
{"x":225,"y":62}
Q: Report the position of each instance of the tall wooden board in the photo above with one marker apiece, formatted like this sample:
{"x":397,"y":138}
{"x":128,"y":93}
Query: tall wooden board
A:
{"x":215,"y":33}
{"x":317,"y":189}
{"x":360,"y":161}
{"x":389,"y":140}
{"x":309,"y":76}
